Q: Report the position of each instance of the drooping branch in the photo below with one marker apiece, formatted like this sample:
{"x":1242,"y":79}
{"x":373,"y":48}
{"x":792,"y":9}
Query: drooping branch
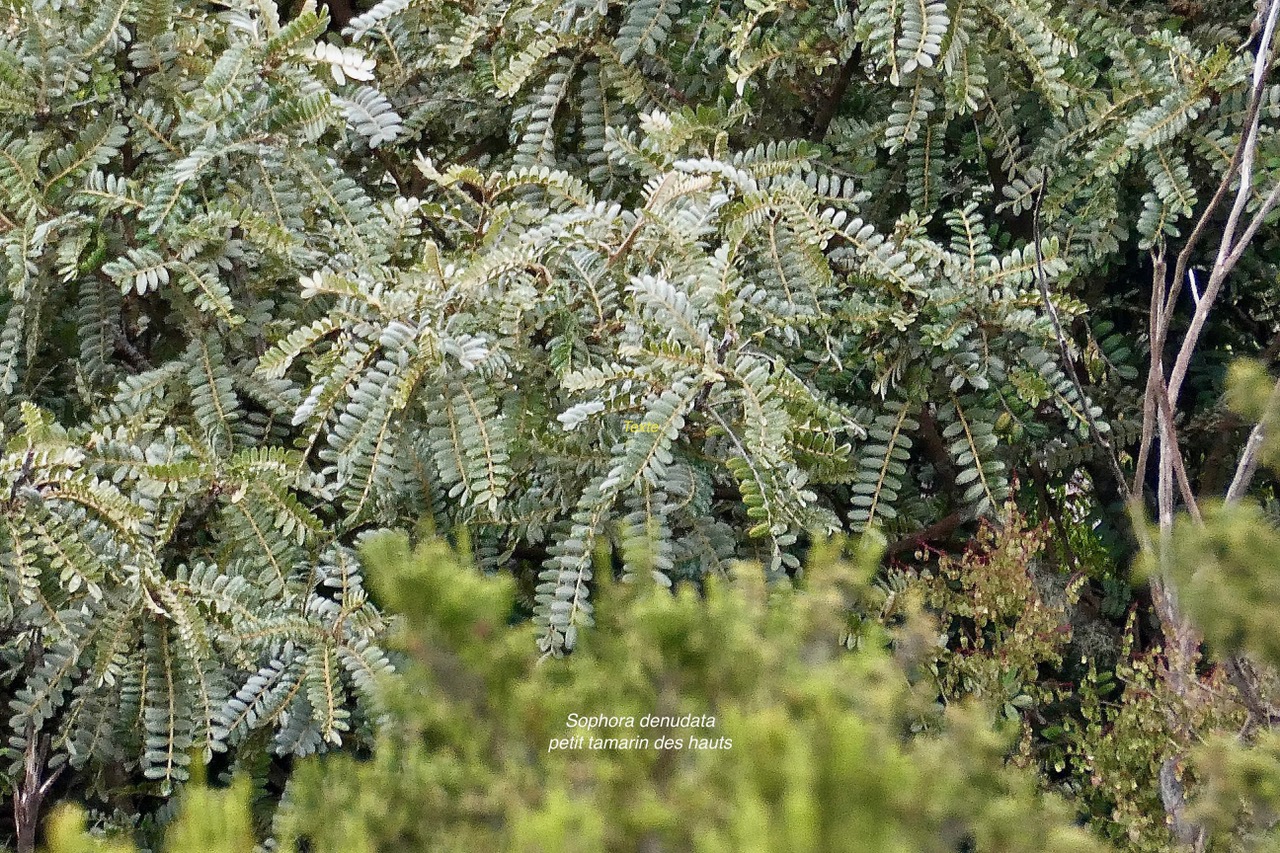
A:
{"x":1064,"y":350}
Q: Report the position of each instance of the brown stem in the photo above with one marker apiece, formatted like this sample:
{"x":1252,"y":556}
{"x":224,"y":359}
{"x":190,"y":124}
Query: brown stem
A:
{"x":938,"y":530}
{"x":831,"y":103}
{"x":1155,"y":368}
{"x":32,"y":789}
{"x":1068,"y":364}
{"x":132,"y":354}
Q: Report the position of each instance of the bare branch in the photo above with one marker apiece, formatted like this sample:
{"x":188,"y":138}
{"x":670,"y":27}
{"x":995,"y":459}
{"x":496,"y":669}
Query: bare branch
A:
{"x":1169,"y":441}
{"x":1248,"y":463}
{"x":1251,"y":120}
{"x":29,"y":793}
{"x":1154,"y":369}
{"x":1229,"y":249}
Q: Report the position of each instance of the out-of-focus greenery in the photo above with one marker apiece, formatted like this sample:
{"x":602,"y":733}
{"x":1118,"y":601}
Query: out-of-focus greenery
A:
{"x":826,"y":754}
{"x":1227,"y":574}
{"x":827,"y":689}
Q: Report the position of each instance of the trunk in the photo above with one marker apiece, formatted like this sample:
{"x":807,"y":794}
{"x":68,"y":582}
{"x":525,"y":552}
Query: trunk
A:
{"x":31,"y":790}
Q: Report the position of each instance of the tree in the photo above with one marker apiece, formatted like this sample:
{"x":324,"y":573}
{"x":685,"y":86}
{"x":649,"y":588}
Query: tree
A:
{"x":170,"y":587}
{"x":683,"y":283}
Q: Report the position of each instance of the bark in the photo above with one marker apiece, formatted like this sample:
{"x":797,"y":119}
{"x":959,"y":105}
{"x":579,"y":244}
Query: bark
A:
{"x":831,"y":103}
{"x":32,"y":789}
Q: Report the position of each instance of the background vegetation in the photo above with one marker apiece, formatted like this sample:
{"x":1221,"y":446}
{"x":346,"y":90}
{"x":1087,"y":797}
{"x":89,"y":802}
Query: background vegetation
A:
{"x":620,"y":297}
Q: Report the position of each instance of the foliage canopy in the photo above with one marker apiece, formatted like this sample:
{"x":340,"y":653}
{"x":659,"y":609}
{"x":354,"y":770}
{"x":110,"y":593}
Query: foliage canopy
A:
{"x":680,"y":284}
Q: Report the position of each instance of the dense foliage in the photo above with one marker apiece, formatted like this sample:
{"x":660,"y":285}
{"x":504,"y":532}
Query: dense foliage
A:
{"x":804,"y":750}
{"x":636,"y":289}
{"x":822,"y":732}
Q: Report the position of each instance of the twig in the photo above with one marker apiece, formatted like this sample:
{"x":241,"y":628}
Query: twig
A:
{"x":1169,"y":441}
{"x":1067,"y":362}
{"x":1229,"y":249}
{"x":939,"y":529}
{"x":1248,"y":463}
{"x":135,"y":357}
{"x":1155,"y":368}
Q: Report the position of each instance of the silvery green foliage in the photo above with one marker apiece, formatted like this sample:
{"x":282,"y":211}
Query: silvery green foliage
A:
{"x":986,"y":99}
{"x":863,"y":312}
{"x":551,"y":272}
{"x":169,"y":586}
{"x":673,"y":380}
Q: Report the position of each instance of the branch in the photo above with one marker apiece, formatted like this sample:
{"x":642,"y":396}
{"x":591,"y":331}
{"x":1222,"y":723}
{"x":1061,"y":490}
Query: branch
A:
{"x":830,"y":104}
{"x":1154,"y":368}
{"x":1248,"y":463}
{"x":939,"y":529}
{"x":125,"y":347}
{"x":1065,"y":351}
{"x":1161,"y":397}
{"x":31,"y":790}
{"x":1229,"y":249}
{"x":1169,"y":441}
{"x":1251,"y":119}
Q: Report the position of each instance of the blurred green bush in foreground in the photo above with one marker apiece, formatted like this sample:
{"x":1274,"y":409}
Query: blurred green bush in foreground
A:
{"x":832,"y":749}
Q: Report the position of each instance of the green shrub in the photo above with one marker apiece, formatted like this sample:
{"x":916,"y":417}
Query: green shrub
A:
{"x":811,"y":748}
